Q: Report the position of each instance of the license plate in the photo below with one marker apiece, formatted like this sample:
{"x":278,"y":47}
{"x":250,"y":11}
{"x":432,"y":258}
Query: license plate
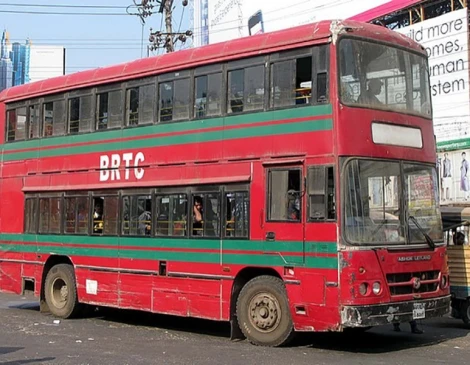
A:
{"x":419,"y":311}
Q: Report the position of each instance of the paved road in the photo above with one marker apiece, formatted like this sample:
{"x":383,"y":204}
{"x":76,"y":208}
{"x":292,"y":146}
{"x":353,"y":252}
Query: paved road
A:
{"x":127,"y":337}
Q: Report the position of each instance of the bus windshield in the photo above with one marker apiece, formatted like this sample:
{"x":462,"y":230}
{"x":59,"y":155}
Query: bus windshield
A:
{"x":379,"y":76}
{"x":388,"y":202}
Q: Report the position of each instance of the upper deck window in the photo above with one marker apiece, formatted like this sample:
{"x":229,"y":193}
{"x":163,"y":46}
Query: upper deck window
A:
{"x":140,"y":105}
{"x":54,"y":118}
{"x":246,"y":89}
{"x":291,"y":82}
{"x":208,"y":95}
{"x":16,"y":124}
{"x":80,"y":114}
{"x":175,"y":100}
{"x":379,"y":76}
{"x":34,"y":124}
{"x":109,"y":105}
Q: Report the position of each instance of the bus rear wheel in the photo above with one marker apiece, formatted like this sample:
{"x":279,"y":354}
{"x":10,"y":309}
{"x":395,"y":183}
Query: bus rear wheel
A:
{"x":60,"y":291}
{"x":263,"y":312}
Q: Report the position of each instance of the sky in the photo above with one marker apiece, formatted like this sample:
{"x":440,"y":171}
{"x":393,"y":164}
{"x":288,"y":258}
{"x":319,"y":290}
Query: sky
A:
{"x":91,"y":41}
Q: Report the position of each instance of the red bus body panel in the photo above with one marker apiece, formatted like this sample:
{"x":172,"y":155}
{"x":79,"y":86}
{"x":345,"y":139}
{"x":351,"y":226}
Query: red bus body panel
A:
{"x":321,"y":275}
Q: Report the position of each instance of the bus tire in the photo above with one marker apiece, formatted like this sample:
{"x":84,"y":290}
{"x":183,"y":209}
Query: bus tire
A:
{"x":60,"y":291}
{"x":263,"y":312}
{"x":465,"y":312}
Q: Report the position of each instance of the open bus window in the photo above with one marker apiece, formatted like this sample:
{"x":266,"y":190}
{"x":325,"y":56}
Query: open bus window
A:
{"x":54,"y":118}
{"x":321,"y":193}
{"x":80,"y":114}
{"x":105,"y":215}
{"x":291,"y":82}
{"x":109,"y":106}
{"x":171,"y":215}
{"x":205,"y":215}
{"x":137,"y":215}
{"x":98,"y":215}
{"x":208,"y":93}
{"x":132,"y":106}
{"x":246,"y":89}
{"x":33,"y":121}
{"x":237,"y":206}
{"x":284,"y":195}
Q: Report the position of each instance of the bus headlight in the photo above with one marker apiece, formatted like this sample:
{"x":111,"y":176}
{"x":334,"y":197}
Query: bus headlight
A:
{"x":444,"y":281}
{"x":376,"y":288}
{"x":363,"y":289}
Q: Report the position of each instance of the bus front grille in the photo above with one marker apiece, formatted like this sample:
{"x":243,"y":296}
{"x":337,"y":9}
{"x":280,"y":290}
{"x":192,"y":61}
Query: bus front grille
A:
{"x":413,"y":282}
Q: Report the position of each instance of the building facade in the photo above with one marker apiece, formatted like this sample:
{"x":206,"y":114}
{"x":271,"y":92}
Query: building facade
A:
{"x":23,"y":63}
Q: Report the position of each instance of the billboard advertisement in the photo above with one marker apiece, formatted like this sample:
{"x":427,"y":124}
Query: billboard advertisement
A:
{"x":446,"y":41}
{"x":454,"y":176}
{"x":230,"y":19}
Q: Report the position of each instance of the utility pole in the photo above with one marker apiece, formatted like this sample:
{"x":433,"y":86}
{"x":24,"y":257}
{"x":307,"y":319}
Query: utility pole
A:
{"x":160,"y":39}
{"x":169,"y":31}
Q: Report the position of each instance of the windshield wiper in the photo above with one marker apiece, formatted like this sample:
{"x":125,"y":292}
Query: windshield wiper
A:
{"x":429,"y":240}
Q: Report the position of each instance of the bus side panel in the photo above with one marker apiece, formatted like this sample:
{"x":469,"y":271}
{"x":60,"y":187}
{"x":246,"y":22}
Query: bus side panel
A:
{"x":12,"y":205}
{"x":97,"y":287}
{"x":10,"y":276}
{"x":97,"y":279}
{"x":314,"y":303}
{"x":187,"y":297}
{"x":11,"y":251}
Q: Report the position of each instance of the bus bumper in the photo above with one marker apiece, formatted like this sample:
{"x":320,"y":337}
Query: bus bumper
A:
{"x":382,"y":314}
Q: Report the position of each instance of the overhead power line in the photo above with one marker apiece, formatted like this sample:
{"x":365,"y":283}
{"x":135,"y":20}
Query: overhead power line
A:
{"x":65,"y":6}
{"x":59,"y":13}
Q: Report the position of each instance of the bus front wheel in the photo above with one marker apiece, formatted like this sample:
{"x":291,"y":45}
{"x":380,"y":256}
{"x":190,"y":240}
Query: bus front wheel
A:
{"x":60,"y":291}
{"x":263,"y":312}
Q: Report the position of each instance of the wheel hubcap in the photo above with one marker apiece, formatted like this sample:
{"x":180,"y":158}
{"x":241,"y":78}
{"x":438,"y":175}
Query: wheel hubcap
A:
{"x":265,"y":312}
{"x":60,"y":293}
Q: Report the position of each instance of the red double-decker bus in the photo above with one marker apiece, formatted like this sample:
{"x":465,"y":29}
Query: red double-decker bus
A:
{"x":283,"y":182}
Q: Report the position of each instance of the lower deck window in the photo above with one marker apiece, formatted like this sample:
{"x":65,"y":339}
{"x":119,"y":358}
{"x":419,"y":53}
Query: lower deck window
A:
{"x":221,"y":213}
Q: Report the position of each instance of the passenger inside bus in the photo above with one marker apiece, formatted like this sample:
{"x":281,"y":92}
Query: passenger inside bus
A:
{"x":293,"y":205}
{"x":198,"y":213}
{"x":145,"y":219}
{"x":369,"y":96}
{"x":98,"y":215}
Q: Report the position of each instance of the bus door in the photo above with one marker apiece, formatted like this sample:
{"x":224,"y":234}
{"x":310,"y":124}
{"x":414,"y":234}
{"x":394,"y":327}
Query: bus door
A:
{"x":284,"y":222}
{"x":321,"y":252}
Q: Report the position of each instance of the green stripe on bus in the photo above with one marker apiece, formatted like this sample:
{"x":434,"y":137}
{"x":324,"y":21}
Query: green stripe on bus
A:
{"x":177,"y":243}
{"x":188,"y":126}
{"x":203,"y":257}
{"x":129,"y":248}
{"x":200,"y":257}
{"x":199,"y":137}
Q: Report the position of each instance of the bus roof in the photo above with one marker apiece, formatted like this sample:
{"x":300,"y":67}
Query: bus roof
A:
{"x":242,"y":47}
